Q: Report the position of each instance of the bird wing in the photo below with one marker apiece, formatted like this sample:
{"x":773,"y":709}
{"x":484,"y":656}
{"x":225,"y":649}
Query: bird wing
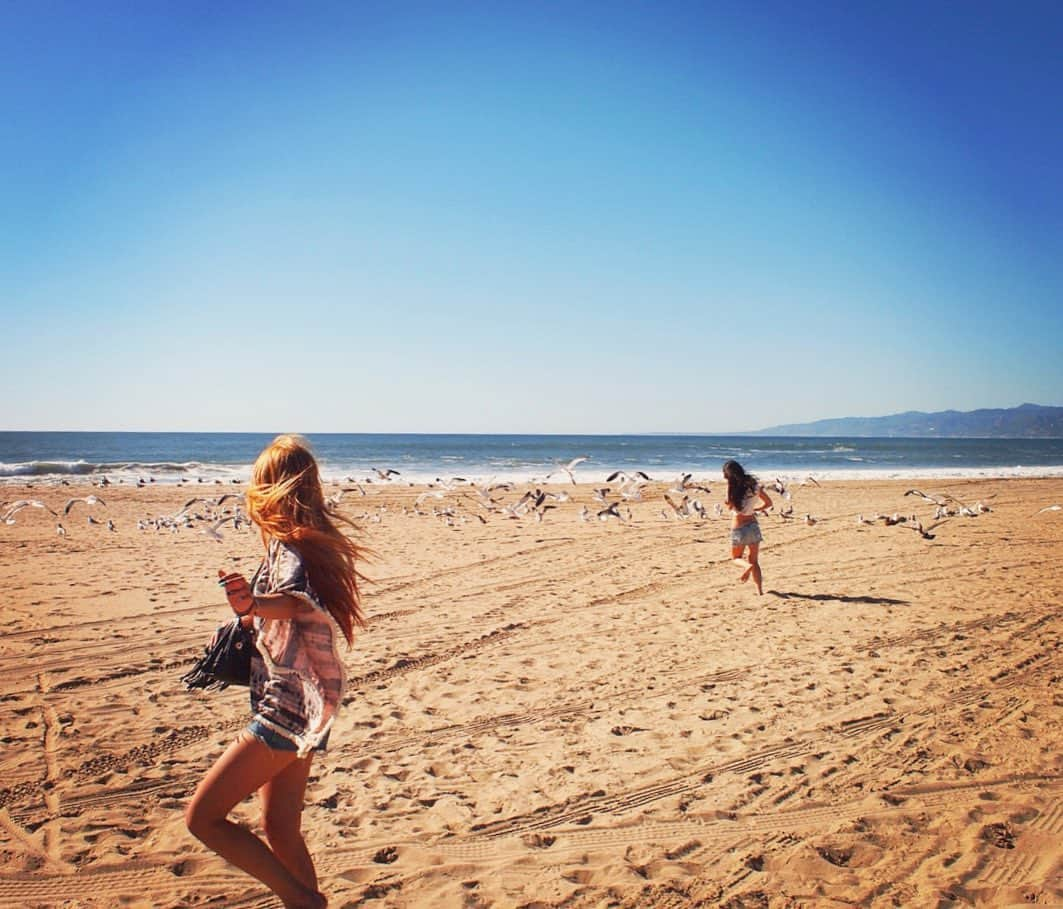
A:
{"x":13,"y":510}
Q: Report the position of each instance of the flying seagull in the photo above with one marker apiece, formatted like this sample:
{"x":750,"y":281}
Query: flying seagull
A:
{"x":88,"y":500}
{"x":15,"y":507}
{"x":568,"y":468}
{"x":213,"y":530}
{"x":924,"y":532}
{"x":685,"y":481}
{"x":626,"y":478}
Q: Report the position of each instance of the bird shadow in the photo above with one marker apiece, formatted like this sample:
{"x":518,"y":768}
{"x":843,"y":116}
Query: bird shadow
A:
{"x":837,"y":598}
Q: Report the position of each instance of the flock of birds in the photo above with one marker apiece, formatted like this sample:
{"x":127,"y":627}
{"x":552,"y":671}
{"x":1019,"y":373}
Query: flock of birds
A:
{"x":945,"y":507}
{"x":207,"y":520}
{"x":456,"y":501}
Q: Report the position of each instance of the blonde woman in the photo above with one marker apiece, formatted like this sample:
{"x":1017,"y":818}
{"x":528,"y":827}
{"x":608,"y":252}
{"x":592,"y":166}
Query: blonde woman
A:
{"x":303,"y":595}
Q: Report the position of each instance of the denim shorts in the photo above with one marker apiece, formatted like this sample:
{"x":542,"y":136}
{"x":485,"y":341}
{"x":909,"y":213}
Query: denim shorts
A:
{"x":278,"y":742}
{"x":746,"y":535}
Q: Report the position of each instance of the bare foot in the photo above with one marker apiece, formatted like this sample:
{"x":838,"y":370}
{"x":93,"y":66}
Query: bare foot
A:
{"x":745,"y":574}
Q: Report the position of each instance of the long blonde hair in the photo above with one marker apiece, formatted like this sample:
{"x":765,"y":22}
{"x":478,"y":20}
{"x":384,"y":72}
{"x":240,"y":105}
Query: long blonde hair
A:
{"x":286,"y":501}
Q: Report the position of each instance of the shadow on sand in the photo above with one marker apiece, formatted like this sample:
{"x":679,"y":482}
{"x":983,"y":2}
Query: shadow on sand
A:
{"x":837,"y":598}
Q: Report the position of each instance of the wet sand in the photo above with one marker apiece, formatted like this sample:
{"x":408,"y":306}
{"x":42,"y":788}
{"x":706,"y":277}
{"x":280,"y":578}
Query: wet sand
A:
{"x":564,"y":713}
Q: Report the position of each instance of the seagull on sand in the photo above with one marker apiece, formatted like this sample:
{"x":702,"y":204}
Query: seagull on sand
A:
{"x":568,"y":468}
{"x":60,"y":530}
{"x":1050,"y":508}
{"x":88,"y":500}
{"x":15,"y":507}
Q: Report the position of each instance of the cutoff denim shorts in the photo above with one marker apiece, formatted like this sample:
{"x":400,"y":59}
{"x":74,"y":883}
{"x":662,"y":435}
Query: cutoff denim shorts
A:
{"x":278,"y":742}
{"x":746,"y":535}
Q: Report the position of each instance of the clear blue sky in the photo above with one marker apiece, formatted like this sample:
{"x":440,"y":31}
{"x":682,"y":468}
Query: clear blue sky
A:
{"x":542,"y":217}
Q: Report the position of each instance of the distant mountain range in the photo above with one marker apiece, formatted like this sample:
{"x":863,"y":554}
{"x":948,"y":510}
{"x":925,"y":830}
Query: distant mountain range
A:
{"x":1028,"y":421}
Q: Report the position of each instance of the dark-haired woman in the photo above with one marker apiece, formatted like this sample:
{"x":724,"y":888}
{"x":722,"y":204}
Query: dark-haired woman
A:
{"x":745,"y":498}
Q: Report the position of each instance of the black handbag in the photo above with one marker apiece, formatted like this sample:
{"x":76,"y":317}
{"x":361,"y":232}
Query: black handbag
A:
{"x":227,"y":661}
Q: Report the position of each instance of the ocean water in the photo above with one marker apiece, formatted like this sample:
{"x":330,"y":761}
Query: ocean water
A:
{"x":51,"y":457}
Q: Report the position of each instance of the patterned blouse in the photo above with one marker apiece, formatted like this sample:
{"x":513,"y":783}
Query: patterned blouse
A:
{"x":297,"y":676}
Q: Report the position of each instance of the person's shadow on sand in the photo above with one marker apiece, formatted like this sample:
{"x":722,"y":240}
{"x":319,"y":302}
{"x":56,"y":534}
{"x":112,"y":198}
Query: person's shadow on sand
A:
{"x":836,"y":598}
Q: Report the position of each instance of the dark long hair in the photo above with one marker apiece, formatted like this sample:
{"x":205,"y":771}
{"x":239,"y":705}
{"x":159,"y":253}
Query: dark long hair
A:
{"x":739,"y":483}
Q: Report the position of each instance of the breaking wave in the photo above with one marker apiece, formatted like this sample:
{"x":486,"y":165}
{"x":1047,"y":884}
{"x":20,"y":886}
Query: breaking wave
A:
{"x":163,"y":470}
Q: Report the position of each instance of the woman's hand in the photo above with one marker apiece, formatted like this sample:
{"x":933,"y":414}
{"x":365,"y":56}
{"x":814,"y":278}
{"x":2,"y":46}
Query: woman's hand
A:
{"x":237,"y":591}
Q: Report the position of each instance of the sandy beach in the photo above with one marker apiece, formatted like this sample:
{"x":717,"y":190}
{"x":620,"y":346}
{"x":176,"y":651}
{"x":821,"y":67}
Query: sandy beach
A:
{"x":563,"y":713}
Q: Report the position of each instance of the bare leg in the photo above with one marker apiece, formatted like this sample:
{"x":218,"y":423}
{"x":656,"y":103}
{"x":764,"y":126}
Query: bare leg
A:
{"x":282,"y":813}
{"x":736,"y":557}
{"x":246,"y":765}
{"x":758,"y":578}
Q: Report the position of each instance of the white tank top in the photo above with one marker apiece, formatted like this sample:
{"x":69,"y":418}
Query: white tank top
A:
{"x":750,"y":502}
